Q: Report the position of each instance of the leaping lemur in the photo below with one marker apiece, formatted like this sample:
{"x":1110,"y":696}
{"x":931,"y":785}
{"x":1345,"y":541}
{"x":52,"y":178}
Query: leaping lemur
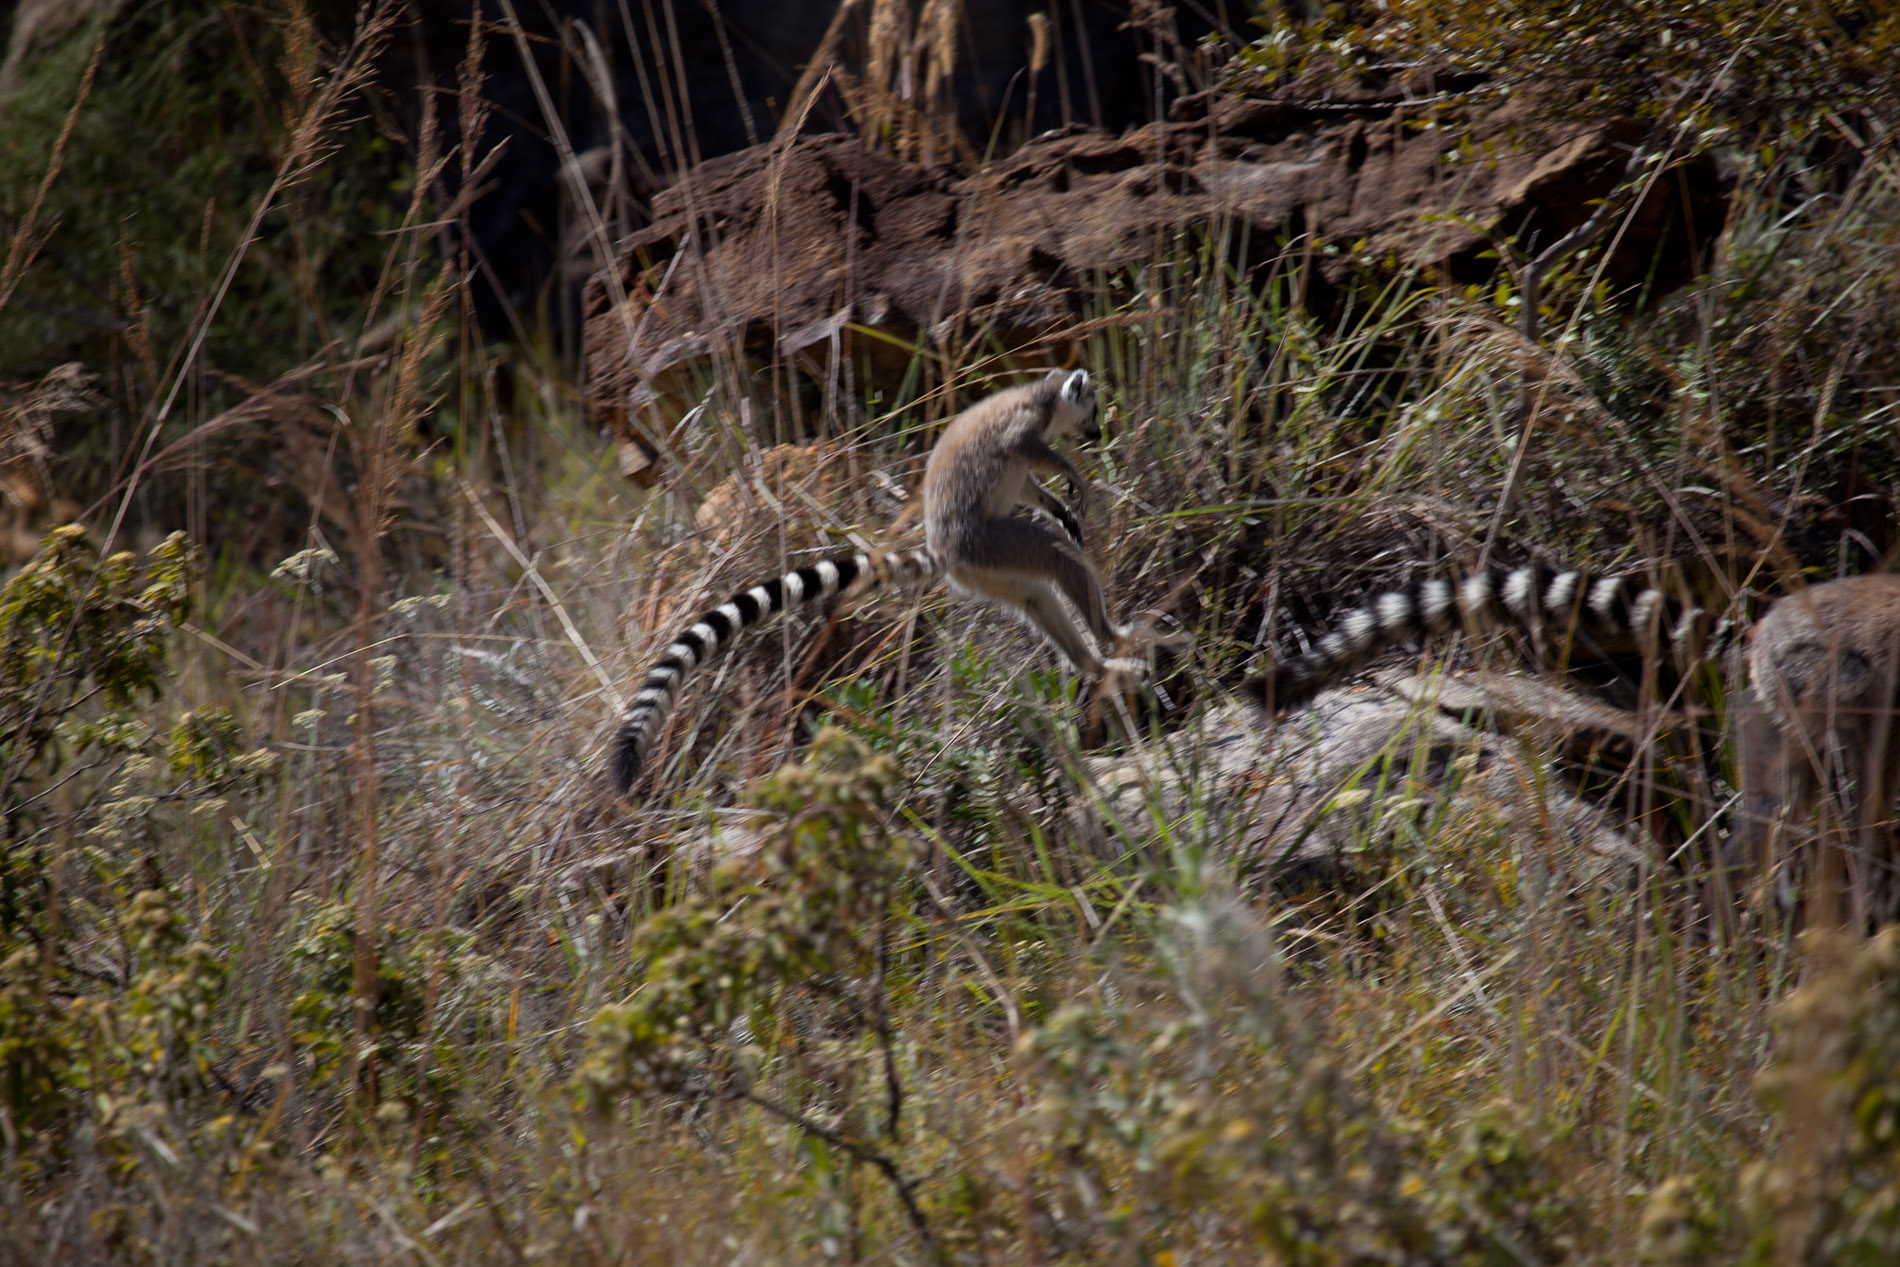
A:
{"x":979,"y":473}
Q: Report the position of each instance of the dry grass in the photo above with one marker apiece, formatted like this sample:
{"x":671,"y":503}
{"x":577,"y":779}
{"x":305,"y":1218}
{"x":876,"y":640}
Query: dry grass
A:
{"x":369,"y":967}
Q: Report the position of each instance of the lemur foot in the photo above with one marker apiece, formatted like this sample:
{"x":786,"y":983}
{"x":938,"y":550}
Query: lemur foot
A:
{"x":1149,"y":631}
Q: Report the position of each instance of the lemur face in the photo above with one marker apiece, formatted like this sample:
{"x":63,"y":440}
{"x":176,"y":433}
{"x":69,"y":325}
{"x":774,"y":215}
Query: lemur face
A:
{"x":1075,"y":411}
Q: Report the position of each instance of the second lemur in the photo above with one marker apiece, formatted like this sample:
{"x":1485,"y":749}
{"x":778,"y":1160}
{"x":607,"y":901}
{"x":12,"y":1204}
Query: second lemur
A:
{"x":1820,"y":715}
{"x":1565,"y":606}
{"x":980,"y":472}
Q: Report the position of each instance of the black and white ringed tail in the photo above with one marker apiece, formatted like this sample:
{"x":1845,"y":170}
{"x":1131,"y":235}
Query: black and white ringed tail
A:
{"x":1533,"y":597}
{"x":715,"y":630}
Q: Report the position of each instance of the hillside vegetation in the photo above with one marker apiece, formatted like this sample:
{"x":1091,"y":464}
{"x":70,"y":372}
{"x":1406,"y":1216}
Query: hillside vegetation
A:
{"x":323,"y":940}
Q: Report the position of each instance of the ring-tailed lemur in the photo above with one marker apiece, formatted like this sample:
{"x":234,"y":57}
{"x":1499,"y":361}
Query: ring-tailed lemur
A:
{"x":979,"y":473}
{"x":1564,"y":604}
{"x":1820,"y":713}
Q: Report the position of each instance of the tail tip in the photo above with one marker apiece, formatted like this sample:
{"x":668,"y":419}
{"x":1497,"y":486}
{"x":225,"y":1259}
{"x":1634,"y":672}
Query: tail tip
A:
{"x":1278,"y":689}
{"x":1258,"y":691}
{"x":625,"y":761}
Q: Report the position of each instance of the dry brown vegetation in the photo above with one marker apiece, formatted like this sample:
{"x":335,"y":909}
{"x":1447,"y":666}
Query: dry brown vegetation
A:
{"x":321,"y":939}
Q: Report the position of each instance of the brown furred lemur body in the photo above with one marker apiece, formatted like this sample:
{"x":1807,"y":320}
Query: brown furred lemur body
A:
{"x":1819,"y":717}
{"x":1823,"y":666}
{"x":980,"y":472}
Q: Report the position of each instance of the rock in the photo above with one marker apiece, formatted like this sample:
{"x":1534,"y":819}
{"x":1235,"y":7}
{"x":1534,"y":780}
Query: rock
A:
{"x":1318,"y":792}
{"x":678,"y":82}
{"x":777,"y":250}
{"x":743,"y":246}
{"x":1311,"y":792}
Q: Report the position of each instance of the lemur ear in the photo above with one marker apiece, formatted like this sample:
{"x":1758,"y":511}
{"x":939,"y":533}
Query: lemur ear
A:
{"x":1076,"y":387}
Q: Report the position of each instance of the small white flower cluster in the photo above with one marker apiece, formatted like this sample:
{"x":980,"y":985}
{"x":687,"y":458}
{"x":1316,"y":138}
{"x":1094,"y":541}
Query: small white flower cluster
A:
{"x":408,"y":607}
{"x":300,"y":565}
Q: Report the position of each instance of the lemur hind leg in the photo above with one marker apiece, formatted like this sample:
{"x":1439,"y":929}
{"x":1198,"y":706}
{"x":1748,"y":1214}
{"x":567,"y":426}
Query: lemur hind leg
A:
{"x":1039,"y":603}
{"x":1132,"y":695}
{"x":1002,"y":557}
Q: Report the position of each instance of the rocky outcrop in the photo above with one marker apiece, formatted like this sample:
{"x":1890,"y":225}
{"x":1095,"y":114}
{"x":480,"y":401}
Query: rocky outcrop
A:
{"x":779,"y":250}
{"x":1333,"y":795}
{"x":1317,"y":792}
{"x":673,"y":82}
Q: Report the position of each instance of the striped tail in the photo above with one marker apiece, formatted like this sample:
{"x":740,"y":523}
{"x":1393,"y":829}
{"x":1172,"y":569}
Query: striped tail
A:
{"x":706,"y":637}
{"x":1534,"y":597}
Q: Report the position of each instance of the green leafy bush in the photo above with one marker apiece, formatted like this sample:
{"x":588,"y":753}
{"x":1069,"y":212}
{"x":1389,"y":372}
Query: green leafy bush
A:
{"x":135,"y":1065}
{"x":82,"y":649}
{"x":771,"y":987}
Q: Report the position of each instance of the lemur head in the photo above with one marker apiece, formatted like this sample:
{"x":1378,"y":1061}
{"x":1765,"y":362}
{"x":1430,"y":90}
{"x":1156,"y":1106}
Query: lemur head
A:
{"x":1072,"y":410}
